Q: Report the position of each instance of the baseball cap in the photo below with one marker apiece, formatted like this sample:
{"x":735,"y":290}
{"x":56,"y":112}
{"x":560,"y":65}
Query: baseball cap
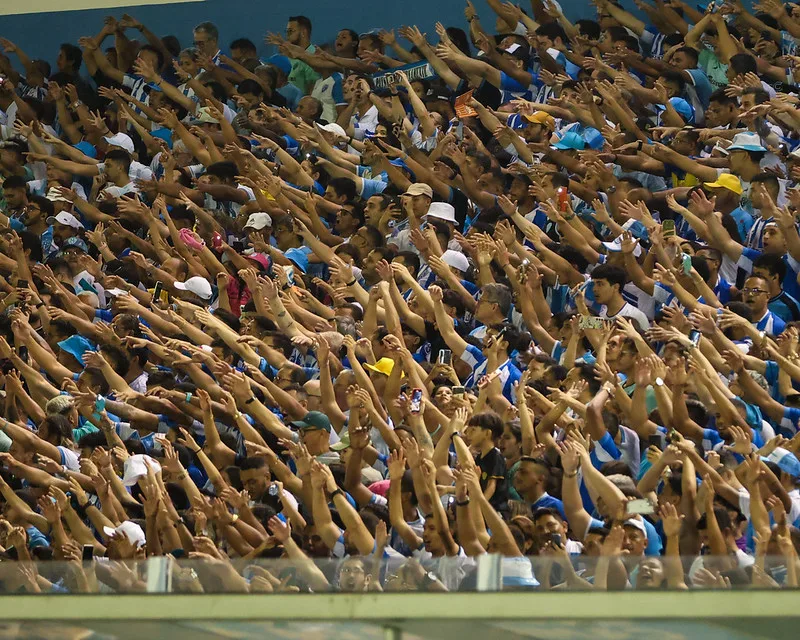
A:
{"x":67,"y":219}
{"x":684,"y":109}
{"x":332,"y":127}
{"x":75,"y":242}
{"x":570,"y":140}
{"x":258,"y":221}
{"x":132,"y":531}
{"x":313,"y":421}
{"x":260,"y":258}
{"x":281,"y":62}
{"x":456,"y":260}
{"x":197,"y":285}
{"x":344,"y":442}
{"x":442,"y":211}
{"x":785,"y":460}
{"x":518,"y":51}
{"x":419,"y":189}
{"x":726,"y":181}
{"x":636,"y":524}
{"x":541,"y":117}
{"x":122,"y":140}
{"x":747,"y":141}
{"x":384,"y":366}
{"x":615,"y":246}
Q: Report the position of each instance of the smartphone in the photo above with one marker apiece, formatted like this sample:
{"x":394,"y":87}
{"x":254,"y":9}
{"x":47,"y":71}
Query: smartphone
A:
{"x":460,"y":131}
{"x":639,"y":506}
{"x":563,"y":199}
{"x":590,"y":322}
{"x":216,"y":240}
{"x":100,"y":404}
{"x":686,"y":262}
{"x":668,"y":228}
{"x":458,"y":391}
{"x":445,"y":356}
{"x":273,"y":489}
{"x":555,"y":539}
{"x":694,"y":336}
{"x":157,"y":291}
{"x":12,"y":553}
{"x":658,"y":440}
{"x":88,"y":553}
{"x":22,"y":284}
{"x":416,"y":401}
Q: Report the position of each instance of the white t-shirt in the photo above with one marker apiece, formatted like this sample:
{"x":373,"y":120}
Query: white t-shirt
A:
{"x":628,"y":311}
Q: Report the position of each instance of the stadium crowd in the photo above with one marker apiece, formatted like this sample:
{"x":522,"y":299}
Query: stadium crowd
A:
{"x":382,"y":306}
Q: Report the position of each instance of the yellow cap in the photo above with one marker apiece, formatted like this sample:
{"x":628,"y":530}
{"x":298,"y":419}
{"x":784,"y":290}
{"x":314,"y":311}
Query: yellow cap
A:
{"x":726,"y":181}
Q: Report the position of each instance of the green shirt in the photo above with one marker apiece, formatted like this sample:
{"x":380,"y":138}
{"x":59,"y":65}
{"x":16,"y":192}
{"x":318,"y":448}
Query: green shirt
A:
{"x":716,"y":71}
{"x":303,"y":76}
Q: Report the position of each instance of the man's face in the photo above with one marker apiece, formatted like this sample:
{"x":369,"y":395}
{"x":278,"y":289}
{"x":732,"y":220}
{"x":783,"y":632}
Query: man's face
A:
{"x":307,"y":108}
{"x":756,"y":296}
{"x":364,"y":45}
{"x":16,"y":198}
{"x":527,"y":477}
{"x":332,"y":195}
{"x":150,"y":58}
{"x":635,"y":541}
{"x":344,"y":44}
{"x":205,"y":43}
{"x":62,"y":62}
{"x":294,"y":33}
{"x":431,"y":537}
{"x":360,"y":240}
{"x":603,"y":290}
{"x":548,"y":525}
{"x":255,"y":481}
{"x":352,"y":575}
{"x":774,"y":240}
{"x":373,"y":211}
{"x":718,"y":115}
{"x":116,"y":170}
{"x":314,"y":395}
{"x":345,"y":222}
{"x":63,"y":231}
{"x":651,"y":574}
{"x":682,"y":61}
{"x":372,"y":259}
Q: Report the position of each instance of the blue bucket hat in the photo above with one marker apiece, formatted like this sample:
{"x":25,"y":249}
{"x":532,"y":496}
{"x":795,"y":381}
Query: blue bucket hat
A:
{"x":298,"y":257}
{"x":76,"y":346}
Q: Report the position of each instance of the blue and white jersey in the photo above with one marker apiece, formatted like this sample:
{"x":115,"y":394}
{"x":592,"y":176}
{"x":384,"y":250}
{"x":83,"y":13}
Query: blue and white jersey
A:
{"x":509,"y":374}
{"x":605,"y":450}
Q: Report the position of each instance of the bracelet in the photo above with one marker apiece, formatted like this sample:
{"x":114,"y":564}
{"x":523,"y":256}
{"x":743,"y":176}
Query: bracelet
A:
{"x":75,"y":104}
{"x":237,"y":415}
{"x":351,"y":283}
{"x":462,"y":503}
{"x":571,"y":475}
{"x":337,"y":492}
{"x":199,"y":449}
{"x":188,"y":397}
{"x":252,"y":399}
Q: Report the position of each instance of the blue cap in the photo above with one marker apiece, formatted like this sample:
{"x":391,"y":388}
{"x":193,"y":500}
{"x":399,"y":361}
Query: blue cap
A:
{"x":75,"y":242}
{"x":570,"y":140}
{"x":786,"y":461}
{"x":87,"y":149}
{"x":76,"y":346}
{"x":684,"y":109}
{"x":515,"y":121}
{"x":298,"y":257}
{"x":594,"y":139}
{"x":163,"y":134}
{"x":282,"y":62}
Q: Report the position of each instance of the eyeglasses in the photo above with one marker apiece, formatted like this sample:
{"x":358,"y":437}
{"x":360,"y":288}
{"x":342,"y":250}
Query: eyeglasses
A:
{"x":353,"y":569}
{"x":755,"y":291}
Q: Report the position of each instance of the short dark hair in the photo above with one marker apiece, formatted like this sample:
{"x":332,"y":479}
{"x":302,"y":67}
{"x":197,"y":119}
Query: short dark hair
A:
{"x":73,"y":54}
{"x":614,"y":275}
{"x":157,"y":52}
{"x":344,"y":187}
{"x":245,"y":44}
{"x":743,"y":63}
{"x":208,"y":27}
{"x":250,"y":86}
{"x":488,"y":420}
{"x":302,"y":21}
{"x":723,"y":98}
{"x":224,"y":170}
{"x":121,"y":156}
{"x":772,"y":263}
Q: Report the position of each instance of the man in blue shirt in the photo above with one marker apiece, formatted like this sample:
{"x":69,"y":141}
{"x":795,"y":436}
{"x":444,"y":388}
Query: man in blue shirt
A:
{"x":530,"y":481}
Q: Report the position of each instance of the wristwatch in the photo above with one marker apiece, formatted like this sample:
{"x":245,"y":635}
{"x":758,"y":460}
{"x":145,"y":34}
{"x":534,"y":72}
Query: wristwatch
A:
{"x":659,"y":382}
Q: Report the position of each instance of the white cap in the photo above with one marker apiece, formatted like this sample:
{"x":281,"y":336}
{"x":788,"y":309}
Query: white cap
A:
{"x":197,"y":285}
{"x":132,"y":531}
{"x":334,"y":128}
{"x":442,"y":211}
{"x":636,"y":524}
{"x":116,"y":292}
{"x":258,"y":221}
{"x":615,"y":246}
{"x":66,"y":219}
{"x":456,"y":260}
{"x":122,"y":140}
{"x":136,"y":467}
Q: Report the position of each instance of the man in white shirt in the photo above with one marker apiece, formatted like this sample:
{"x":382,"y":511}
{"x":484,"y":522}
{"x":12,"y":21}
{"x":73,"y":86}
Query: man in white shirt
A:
{"x":608,"y":282}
